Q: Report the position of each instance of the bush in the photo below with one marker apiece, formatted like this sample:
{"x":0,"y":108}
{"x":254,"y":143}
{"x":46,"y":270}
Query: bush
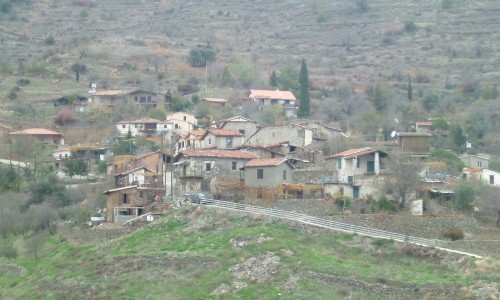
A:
{"x":339,"y":201}
{"x":8,"y":251}
{"x":187,"y":88}
{"x":410,"y":26}
{"x":384,"y":204}
{"x":453,"y":233}
{"x":50,"y":41}
{"x":23,"y":82}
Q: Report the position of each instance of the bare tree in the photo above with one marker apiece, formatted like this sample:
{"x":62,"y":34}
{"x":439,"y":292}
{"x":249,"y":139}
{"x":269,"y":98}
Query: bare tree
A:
{"x":405,"y":171}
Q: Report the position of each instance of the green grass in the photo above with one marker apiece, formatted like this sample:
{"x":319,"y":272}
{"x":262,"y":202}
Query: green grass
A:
{"x":165,"y":260}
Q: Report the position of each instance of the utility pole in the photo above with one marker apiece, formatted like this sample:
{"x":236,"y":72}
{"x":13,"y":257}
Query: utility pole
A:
{"x":172,"y":147}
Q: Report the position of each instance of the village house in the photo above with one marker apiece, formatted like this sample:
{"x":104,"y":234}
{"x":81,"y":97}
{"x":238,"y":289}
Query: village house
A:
{"x":145,"y":126}
{"x":423,"y":127}
{"x":322,"y":131}
{"x":128,"y":202}
{"x":182,"y":122}
{"x":487,"y":176}
{"x":191,"y":140}
{"x":286,"y":99}
{"x":113,"y":97}
{"x":154,"y":161}
{"x":140,"y":176}
{"x":268,"y":172}
{"x":295,"y":136}
{"x":480,"y":160}
{"x":196,"y":169}
{"x":356,"y":173}
{"x":245,"y":126}
{"x":41,"y":136}
{"x":222,"y":139}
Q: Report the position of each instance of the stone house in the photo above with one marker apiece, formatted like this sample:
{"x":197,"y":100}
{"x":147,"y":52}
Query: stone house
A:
{"x":476,"y":161}
{"x":222,"y":139}
{"x":153,"y":161}
{"x":113,"y":97}
{"x":41,"y":136}
{"x":322,"y":131}
{"x":195,"y":170}
{"x":191,"y":140}
{"x":139,"y":176}
{"x":128,"y":202}
{"x":245,"y":126}
{"x":272,"y":97}
{"x":268,"y":172}
{"x":356,"y":172}
{"x":215,"y":102}
{"x":423,"y":127}
{"x":295,"y":136}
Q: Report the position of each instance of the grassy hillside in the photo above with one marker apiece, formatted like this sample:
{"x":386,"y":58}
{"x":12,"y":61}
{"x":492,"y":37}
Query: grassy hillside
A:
{"x":195,"y":253}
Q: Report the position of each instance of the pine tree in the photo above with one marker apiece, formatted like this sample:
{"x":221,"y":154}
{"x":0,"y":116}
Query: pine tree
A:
{"x":304,"y":91}
{"x":273,"y":79}
{"x":410,"y":89}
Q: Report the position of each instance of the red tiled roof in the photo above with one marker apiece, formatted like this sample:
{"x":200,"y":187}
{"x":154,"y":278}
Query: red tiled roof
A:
{"x":197,"y":133}
{"x":217,"y":154}
{"x":272,"y":94}
{"x":225,"y":132}
{"x":265,"y":162}
{"x":35,"y":131}
{"x":354,"y":152}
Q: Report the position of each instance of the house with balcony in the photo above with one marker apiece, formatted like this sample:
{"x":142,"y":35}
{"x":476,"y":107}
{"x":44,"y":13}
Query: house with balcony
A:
{"x":145,"y":126}
{"x":197,"y":170}
{"x":356,"y":172}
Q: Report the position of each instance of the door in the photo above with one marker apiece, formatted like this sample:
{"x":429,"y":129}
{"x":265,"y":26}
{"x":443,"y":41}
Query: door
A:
{"x":370,"y":167}
{"x":355,"y":192}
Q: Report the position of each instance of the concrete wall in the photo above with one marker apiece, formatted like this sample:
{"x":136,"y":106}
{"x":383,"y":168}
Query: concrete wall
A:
{"x":295,"y":135}
{"x":220,"y":142}
{"x":473,"y":161}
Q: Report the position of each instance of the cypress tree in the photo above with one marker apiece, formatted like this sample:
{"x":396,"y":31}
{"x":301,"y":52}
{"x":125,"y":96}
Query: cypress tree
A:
{"x":273,"y":79}
{"x":304,"y":91}
{"x":410,"y":89}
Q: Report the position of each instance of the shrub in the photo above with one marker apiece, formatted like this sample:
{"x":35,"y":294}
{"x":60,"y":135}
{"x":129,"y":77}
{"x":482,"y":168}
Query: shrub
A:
{"x":23,"y":82}
{"x":50,"y":41}
{"x":446,"y":4}
{"x":385,"y":204}
{"x":339,"y":201}
{"x":187,"y":88}
{"x":453,"y":233}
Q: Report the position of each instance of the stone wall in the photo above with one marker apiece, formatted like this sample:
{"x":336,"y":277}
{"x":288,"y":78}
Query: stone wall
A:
{"x":421,"y":226}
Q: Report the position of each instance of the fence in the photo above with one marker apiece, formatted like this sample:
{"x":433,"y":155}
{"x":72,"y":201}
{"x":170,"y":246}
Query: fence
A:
{"x":319,"y":222}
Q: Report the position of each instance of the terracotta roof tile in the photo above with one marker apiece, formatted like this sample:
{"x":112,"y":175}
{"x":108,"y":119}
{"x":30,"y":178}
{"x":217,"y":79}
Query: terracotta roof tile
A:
{"x":265,"y":162}
{"x":218,"y":154}
{"x":35,"y":131}
{"x":272,"y":94}
{"x":353,"y":152}
{"x":215,"y":100}
{"x":225,"y":132}
{"x":141,"y":121}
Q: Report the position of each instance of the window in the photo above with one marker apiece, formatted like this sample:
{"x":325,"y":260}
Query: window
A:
{"x":209,"y":141}
{"x":165,"y":126}
{"x":479,"y":164}
{"x":185,"y":118}
{"x":176,"y":126}
{"x":357,"y":162}
{"x":123,"y":125}
{"x":229,"y":142}
{"x":284,"y":174}
{"x":60,"y":156}
{"x":234,"y":165}
{"x":208,"y":166}
{"x":260,"y":173}
{"x":339,"y":163}
{"x":125,"y":198}
{"x":242,"y":131}
{"x":492,"y":179}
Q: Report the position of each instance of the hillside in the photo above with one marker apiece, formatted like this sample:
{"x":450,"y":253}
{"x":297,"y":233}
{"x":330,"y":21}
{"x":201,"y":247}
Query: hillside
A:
{"x":198,"y":253}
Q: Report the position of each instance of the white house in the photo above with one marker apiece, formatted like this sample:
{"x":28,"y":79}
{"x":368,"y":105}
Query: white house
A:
{"x":489,"y":177}
{"x":182,"y":122}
